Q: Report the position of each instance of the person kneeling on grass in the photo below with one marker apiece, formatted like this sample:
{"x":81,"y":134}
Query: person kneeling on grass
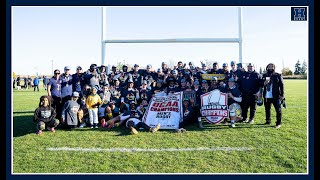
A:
{"x":234,"y":97}
{"x":189,"y":116}
{"x":70,"y":110}
{"x":45,"y":115}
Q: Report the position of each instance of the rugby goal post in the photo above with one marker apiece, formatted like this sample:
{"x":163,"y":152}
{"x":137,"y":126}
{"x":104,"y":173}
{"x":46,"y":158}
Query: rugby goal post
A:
{"x":105,"y":41}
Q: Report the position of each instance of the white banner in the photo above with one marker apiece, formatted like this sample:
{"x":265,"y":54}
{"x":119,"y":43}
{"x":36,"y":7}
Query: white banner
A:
{"x":166,"y":110}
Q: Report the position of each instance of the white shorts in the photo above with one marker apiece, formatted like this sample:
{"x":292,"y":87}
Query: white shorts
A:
{"x":235,"y":109}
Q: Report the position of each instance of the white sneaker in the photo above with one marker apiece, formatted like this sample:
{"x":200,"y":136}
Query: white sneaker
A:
{"x":251,"y":121}
{"x":233,"y":125}
{"x":246,"y":121}
{"x":278,"y":126}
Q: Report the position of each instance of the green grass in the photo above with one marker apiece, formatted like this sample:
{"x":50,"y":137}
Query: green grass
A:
{"x":281,"y":150}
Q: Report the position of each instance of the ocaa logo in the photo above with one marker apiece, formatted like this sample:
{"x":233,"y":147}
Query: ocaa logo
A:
{"x":299,"y":13}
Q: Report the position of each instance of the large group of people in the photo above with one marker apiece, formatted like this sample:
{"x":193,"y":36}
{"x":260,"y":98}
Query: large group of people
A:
{"x":94,"y":98}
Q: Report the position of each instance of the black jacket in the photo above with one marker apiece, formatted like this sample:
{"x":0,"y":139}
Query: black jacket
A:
{"x":277,"y":85}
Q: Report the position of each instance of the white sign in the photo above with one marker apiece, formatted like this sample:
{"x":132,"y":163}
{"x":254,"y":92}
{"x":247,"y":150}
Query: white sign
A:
{"x":214,"y":106}
{"x":166,"y":110}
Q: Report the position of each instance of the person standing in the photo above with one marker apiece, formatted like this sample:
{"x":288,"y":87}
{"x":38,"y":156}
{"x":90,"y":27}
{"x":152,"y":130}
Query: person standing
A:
{"x":54,"y":91}
{"x":66,"y":85}
{"x":45,"y":82}
{"x":273,"y":93}
{"x":78,"y":81}
{"x":36,"y":82}
{"x":93,"y":101}
{"x":250,"y":89}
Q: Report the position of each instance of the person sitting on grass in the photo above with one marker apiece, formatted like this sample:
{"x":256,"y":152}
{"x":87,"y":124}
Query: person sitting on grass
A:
{"x":70,"y":112}
{"x":93,"y":101}
{"x":188,"y":114}
{"x":111,"y":111}
{"x":45,"y":115}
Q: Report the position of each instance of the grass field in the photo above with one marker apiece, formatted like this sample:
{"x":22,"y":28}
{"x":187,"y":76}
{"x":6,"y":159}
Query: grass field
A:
{"x":272,"y":150}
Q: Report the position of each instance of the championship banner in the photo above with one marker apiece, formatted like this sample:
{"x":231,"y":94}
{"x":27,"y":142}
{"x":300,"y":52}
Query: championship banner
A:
{"x":214,"y":106}
{"x":210,"y":76}
{"x":166,"y":110}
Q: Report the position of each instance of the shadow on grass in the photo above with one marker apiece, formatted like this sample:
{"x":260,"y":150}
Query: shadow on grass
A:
{"x":23,"y":125}
{"x":23,"y":112}
{"x":208,"y":126}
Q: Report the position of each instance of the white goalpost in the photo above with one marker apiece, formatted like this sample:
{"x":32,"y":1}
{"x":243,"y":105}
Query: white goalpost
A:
{"x":105,"y":41}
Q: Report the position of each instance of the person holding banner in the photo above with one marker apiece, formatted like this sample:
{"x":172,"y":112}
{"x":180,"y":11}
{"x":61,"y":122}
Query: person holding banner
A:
{"x":234,"y":98}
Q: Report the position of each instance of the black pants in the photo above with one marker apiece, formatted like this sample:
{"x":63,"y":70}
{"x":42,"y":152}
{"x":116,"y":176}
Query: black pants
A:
{"x":57,"y":105}
{"x":36,"y":86}
{"x":248,"y":101}
{"x":192,"y":119}
{"x":140,"y":124}
{"x":277,"y":106}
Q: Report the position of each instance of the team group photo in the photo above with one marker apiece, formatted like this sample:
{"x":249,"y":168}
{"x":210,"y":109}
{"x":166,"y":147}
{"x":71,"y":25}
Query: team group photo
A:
{"x":153,"y":90}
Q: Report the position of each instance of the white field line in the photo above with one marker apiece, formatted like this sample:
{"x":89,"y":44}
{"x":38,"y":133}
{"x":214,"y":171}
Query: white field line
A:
{"x":148,"y":150}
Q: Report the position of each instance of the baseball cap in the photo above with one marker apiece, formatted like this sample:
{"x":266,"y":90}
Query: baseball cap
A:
{"x":250,"y":64}
{"x":185,"y":99}
{"x":79,"y":67}
{"x":130,"y":81}
{"x":174,"y":72}
{"x":204,"y":65}
{"x":136,"y":65}
{"x":196,"y":82}
{"x":75,"y":94}
{"x":239,"y":65}
{"x":163,"y":63}
{"x":215,"y":63}
{"x":159,"y":81}
{"x":231,"y":79}
{"x":186,"y":72}
{"x":144,"y":82}
{"x":233,"y":63}
{"x":149,"y":66}
{"x":159,"y":70}
{"x":94,"y":87}
{"x":190,"y":63}
{"x":183,"y":80}
{"x":67,"y":68}
{"x":204,"y":81}
{"x":224,"y":65}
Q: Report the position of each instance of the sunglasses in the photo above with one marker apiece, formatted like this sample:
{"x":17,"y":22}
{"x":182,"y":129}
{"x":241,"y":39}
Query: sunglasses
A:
{"x":79,"y":69}
{"x":56,"y":73}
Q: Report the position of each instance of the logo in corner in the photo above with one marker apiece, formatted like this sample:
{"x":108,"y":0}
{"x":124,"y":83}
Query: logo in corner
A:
{"x":299,"y":13}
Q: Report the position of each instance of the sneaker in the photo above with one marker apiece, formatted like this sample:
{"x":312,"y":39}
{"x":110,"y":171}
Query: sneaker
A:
{"x":200,"y":125}
{"x":111,"y":125}
{"x":177,"y":130}
{"x":251,"y":121}
{"x":96,"y":126}
{"x":233,"y":125}
{"x":52,"y":129}
{"x":155,"y":129}
{"x":91,"y":126}
{"x":134,"y":131}
{"x":278,"y":126}
{"x":246,"y":120}
{"x":82,"y":125}
{"x":39,"y":132}
{"x":103,"y":123}
{"x":183,"y":130}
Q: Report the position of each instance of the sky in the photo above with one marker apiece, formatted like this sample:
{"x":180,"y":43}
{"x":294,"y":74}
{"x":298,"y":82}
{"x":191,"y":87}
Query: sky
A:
{"x":46,"y":38}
